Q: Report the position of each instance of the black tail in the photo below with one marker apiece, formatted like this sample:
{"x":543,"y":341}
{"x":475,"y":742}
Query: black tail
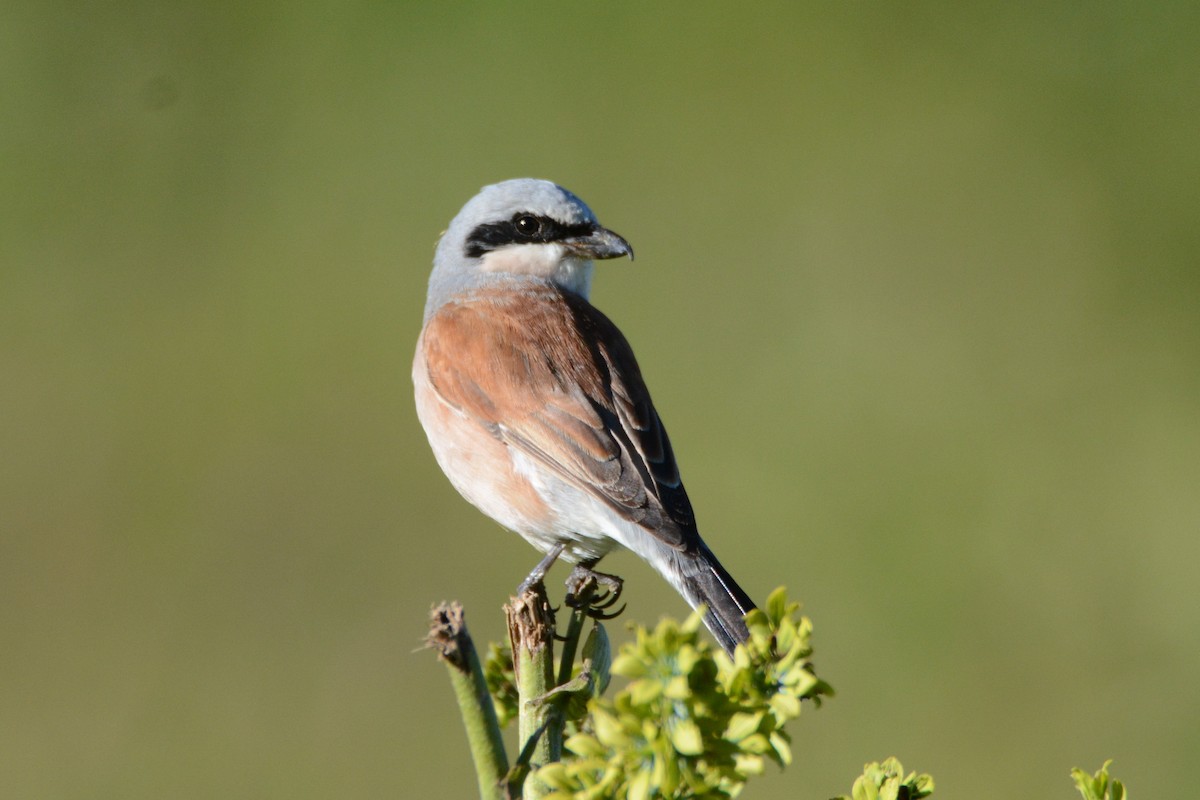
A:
{"x":704,"y":580}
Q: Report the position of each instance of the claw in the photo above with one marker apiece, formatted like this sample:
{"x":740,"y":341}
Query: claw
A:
{"x":600,"y":614}
{"x":581,"y":592}
{"x":605,"y":600}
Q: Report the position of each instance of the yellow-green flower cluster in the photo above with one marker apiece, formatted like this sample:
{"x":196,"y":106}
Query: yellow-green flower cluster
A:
{"x":886,"y":781}
{"x":692,"y":722}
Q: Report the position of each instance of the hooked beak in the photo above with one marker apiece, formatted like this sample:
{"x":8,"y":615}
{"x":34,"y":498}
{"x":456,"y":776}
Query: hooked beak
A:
{"x":599,"y":244}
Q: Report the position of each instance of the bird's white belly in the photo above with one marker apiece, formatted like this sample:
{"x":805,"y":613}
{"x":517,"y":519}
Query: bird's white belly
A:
{"x":581,"y":522}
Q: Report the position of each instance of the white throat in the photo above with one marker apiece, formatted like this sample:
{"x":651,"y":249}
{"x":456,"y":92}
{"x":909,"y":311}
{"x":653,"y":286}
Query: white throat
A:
{"x":548,"y":261}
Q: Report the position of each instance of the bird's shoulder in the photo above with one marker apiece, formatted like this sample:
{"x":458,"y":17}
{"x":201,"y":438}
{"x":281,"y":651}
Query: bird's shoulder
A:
{"x":539,"y":335}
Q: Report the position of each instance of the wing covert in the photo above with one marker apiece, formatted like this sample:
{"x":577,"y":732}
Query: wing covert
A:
{"x":551,"y":376}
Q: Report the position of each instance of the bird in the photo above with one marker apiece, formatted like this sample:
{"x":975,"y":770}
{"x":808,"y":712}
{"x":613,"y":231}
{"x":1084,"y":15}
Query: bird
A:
{"x":535,"y":407}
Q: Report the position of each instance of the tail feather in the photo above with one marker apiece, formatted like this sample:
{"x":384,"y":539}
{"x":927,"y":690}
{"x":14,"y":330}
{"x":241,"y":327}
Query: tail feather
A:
{"x":706,"y":581}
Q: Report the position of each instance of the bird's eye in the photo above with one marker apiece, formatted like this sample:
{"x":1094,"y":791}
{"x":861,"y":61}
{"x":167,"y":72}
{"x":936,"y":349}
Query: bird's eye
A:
{"x":528,"y":226}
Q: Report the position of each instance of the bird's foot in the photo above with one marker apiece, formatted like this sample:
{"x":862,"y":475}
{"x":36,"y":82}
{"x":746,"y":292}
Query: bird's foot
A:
{"x":539,"y":572}
{"x":594,"y":592}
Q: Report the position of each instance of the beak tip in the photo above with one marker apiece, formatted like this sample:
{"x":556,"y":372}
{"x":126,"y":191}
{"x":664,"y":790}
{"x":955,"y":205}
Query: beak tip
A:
{"x":622,"y":247}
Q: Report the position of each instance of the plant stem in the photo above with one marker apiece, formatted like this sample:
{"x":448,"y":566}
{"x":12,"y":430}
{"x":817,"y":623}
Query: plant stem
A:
{"x":448,"y":635}
{"x":571,"y":640}
{"x":531,"y":631}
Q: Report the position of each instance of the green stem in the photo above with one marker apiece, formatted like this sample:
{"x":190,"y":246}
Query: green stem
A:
{"x":448,"y":635}
{"x":566,"y":663}
{"x":531,"y":630}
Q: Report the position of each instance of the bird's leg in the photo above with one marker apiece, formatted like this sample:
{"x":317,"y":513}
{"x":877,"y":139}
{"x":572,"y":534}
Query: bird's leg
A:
{"x":582,"y":584}
{"x":539,"y":572}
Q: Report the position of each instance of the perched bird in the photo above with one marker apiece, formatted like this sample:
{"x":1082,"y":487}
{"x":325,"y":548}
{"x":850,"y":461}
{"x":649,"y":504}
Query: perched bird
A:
{"x":534,"y":404}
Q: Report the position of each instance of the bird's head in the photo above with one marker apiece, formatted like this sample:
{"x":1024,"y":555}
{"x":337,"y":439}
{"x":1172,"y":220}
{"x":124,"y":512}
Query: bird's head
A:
{"x":523,"y":227}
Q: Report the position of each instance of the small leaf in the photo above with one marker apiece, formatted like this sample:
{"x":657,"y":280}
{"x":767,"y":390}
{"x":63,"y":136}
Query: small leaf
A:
{"x":864,"y":789}
{"x":749,"y":764}
{"x":1083,"y":781}
{"x":777,"y":605}
{"x":608,"y":729}
{"x":742,"y":725}
{"x":686,"y":659}
{"x":756,"y":744}
{"x":644,"y":691}
{"x":757,"y":618}
{"x":628,"y":666}
{"x":685,"y":736}
{"x":785,"y":706}
{"x":598,"y":651}
{"x":612,"y":777}
{"x":639,"y":787}
{"x":555,"y":776}
{"x":677,"y":688}
{"x":585,"y":770}
{"x":583,"y":744}
{"x":651,"y":731}
{"x":1098,"y":786}
{"x":782,"y":748}
{"x":801,"y":681}
{"x":666,"y":773}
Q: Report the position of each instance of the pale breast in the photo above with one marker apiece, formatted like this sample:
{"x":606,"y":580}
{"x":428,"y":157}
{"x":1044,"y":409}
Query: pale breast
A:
{"x":502,"y":484}
{"x":477,"y":464}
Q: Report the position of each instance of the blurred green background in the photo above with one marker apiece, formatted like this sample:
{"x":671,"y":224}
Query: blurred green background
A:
{"x":916,"y":291}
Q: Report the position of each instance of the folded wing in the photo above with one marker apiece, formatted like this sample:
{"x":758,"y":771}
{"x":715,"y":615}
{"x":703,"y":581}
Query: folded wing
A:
{"x":548,"y":374}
